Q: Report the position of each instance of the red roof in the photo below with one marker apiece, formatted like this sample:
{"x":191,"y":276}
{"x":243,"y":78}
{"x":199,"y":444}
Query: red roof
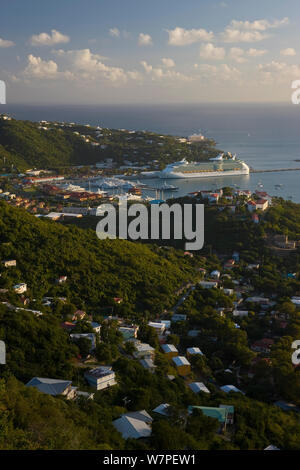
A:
{"x":67,"y":325}
{"x":261,"y":201}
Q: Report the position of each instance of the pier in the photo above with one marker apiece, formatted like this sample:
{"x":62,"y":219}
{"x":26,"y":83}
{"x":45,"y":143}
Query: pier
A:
{"x":274,"y":170}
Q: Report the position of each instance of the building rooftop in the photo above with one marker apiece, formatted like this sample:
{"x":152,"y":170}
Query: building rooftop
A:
{"x":180,"y":361}
{"x":134,"y":425}
{"x":167,"y":348}
{"x":162,"y":409}
{"x":197,"y":387}
{"x":230,"y":388}
{"x":99,"y":372}
{"x":50,"y":386}
{"x":218,"y":413}
{"x":194,"y":351}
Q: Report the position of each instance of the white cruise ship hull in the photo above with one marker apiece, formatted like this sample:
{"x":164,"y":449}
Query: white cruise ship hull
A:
{"x":204,"y":174}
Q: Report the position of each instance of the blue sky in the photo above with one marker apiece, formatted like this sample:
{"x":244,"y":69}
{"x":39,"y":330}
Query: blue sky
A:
{"x":159,"y":51}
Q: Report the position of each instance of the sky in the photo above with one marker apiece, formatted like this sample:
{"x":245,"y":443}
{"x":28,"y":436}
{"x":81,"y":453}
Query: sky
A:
{"x":142,"y":51}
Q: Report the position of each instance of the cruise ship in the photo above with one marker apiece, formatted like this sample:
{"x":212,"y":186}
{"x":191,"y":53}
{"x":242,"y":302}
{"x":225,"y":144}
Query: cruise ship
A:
{"x":222,"y":165}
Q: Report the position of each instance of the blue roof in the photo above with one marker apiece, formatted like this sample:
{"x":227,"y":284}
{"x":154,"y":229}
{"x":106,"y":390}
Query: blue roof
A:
{"x":50,"y":386}
{"x":157,"y":201}
{"x":218,"y":413}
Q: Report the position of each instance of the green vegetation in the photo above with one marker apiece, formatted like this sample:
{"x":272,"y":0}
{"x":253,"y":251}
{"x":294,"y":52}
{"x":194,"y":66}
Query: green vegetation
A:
{"x":139,"y":282}
{"x":146,"y":278}
{"x":25,"y":144}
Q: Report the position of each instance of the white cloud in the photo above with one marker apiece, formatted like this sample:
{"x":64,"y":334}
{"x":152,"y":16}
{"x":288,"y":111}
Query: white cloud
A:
{"x":219,"y":72}
{"x":45,"y":39}
{"x":237,"y":54}
{"x":258,"y":25}
{"x":210,"y":52}
{"x":235,"y":35}
{"x":246,"y":31}
{"x":145,"y":40}
{"x":279,"y":72}
{"x":184,"y":37}
{"x":81,"y":66}
{"x":6,"y":43}
{"x":169,"y":63}
{"x":90,"y":65}
{"x":39,"y":68}
{"x":157,"y":73}
{"x":256,"y":52}
{"x":289,"y":52}
{"x":114,"y":32}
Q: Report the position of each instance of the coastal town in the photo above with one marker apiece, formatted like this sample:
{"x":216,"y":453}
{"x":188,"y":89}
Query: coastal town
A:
{"x":176,"y":342}
{"x":149,"y":232}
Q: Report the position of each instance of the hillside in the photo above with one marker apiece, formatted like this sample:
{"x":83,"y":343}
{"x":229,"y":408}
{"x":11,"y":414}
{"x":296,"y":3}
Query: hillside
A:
{"x":98,"y":270}
{"x":25,"y":144}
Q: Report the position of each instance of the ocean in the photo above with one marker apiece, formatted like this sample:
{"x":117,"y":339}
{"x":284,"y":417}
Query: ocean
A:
{"x":265,"y":136}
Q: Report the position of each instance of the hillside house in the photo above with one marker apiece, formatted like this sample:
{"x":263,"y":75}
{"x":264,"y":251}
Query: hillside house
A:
{"x":9,"y":263}
{"x":230,"y":388}
{"x":159,"y":327}
{"x":101,"y":377}
{"x":148,"y":364}
{"x":162,"y":409}
{"x":177,"y":317}
{"x":169,"y":350}
{"x":78,"y":315}
{"x":20,"y":288}
{"x":143,"y":350}
{"x":90,"y":336}
{"x":134,"y":425}
{"x":182,"y":365}
{"x":198,"y":387}
{"x":194,"y":352}
{"x":129,"y":332}
{"x":263,"y":346}
{"x":208,"y":284}
{"x":53,"y":387}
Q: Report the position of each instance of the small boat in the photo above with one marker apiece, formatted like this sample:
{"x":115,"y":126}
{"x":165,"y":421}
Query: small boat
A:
{"x":168,"y":187}
{"x":135,"y":190}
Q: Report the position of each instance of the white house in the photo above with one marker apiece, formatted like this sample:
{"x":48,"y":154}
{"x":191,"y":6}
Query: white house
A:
{"x":240,"y":313}
{"x":101,"y":377}
{"x":148,"y":364}
{"x":159,"y":327}
{"x":134,"y":425}
{"x":215,"y":274}
{"x":20,"y":288}
{"x":143,"y":350}
{"x":10,"y":263}
{"x":208,"y":284}
{"x":2,"y":353}
{"x":162,"y":409}
{"x":96,"y":327}
{"x":129,"y":331}
{"x":194,"y":351}
{"x":53,"y":387}
{"x":197,"y":387}
{"x":230,"y":388}
{"x":178,"y":317}
{"x":89,"y":336}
